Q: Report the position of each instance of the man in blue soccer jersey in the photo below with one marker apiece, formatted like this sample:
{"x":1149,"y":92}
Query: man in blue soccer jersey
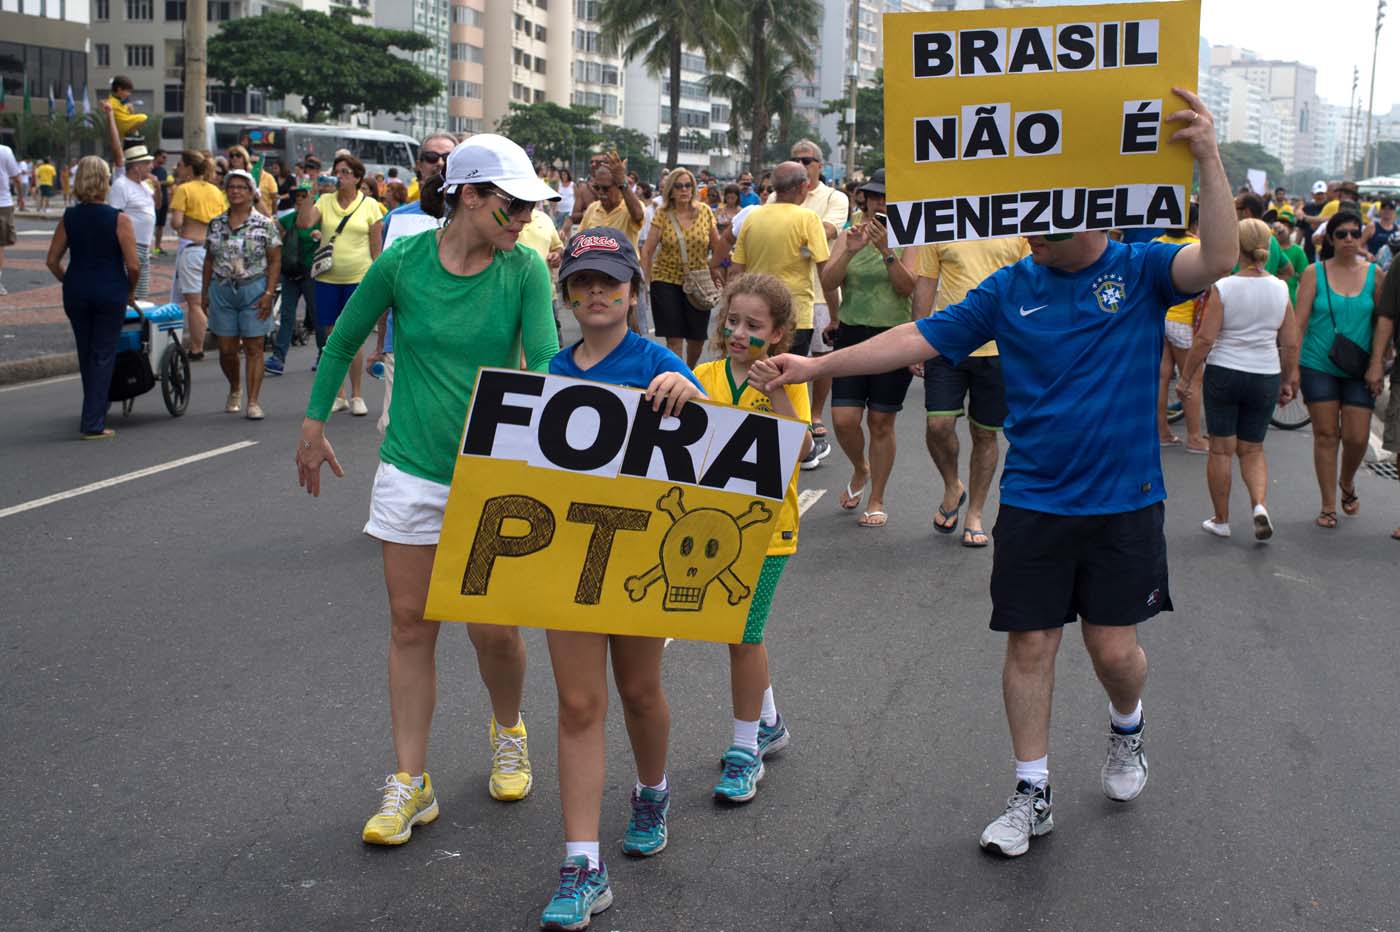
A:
{"x":1080,"y":326}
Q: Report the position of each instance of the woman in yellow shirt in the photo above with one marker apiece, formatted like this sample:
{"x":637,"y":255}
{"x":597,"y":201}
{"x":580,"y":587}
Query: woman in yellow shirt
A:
{"x":681,"y":213}
{"x":194,"y":203}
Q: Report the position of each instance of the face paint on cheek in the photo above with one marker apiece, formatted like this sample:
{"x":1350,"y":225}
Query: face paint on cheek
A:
{"x":500,"y":216}
{"x":616,"y":302}
{"x":757,"y":347}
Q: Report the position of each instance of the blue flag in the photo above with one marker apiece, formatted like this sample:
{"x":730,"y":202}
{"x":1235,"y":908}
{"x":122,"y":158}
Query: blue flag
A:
{"x":68,"y":97}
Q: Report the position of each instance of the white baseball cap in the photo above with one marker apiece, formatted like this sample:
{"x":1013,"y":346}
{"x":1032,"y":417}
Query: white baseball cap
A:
{"x":1319,"y":187}
{"x":488,"y":158}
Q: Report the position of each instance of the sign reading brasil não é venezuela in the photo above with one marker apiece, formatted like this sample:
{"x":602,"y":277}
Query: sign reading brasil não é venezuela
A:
{"x":574,"y":506}
{"x":1036,"y":120}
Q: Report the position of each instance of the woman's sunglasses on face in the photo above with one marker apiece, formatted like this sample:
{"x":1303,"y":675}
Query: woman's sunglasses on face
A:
{"x":1347,"y":233}
{"x":514,"y":205}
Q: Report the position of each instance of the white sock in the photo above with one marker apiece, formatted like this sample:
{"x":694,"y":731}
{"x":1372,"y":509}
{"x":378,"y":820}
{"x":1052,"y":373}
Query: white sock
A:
{"x":587,"y":848}
{"x":1125,"y":722}
{"x":1035,"y":772}
{"x":519,"y":721}
{"x":746,"y":735}
{"x":418,"y":782}
{"x":659,"y":788}
{"x":769,"y":715}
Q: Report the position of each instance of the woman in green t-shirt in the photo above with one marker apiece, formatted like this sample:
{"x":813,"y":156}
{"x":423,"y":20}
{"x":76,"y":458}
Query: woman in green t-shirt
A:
{"x":1293,"y":254}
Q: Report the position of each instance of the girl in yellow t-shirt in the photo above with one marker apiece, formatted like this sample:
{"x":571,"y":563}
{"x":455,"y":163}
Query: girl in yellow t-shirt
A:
{"x":756,"y":320}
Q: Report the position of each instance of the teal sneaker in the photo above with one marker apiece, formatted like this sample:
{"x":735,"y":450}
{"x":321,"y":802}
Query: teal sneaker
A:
{"x":773,"y":737}
{"x":646,"y":832}
{"x":742,"y":771}
{"x":583,"y":892}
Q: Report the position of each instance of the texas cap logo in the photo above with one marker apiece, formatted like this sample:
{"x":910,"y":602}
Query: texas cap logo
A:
{"x":590,"y":243}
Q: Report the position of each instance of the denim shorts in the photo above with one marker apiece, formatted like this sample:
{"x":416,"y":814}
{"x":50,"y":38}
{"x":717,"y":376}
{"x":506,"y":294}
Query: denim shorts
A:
{"x":1319,"y":386}
{"x":1238,"y":404}
{"x":233,"y":309}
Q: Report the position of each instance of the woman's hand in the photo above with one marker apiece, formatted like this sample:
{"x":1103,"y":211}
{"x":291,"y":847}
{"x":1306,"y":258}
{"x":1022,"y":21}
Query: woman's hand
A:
{"x":1184,"y":389}
{"x":312,"y":450}
{"x":264,"y":305}
{"x":669,"y":392}
{"x":875,"y":234}
{"x":1375,"y":378}
{"x":1288,"y":391}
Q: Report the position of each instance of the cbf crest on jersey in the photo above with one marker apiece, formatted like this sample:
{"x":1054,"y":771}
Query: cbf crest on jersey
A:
{"x":1110,"y":292}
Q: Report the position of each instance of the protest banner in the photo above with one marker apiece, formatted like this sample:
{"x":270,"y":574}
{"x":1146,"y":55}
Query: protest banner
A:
{"x":1036,"y":120}
{"x":574,"y":506}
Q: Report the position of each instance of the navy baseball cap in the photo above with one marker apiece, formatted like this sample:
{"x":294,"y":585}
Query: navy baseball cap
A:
{"x":601,"y":249}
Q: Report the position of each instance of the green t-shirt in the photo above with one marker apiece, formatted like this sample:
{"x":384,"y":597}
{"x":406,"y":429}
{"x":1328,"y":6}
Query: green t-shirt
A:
{"x":867,"y":297}
{"x":446,"y":327}
{"x":1293,"y":254}
{"x":305,"y":240}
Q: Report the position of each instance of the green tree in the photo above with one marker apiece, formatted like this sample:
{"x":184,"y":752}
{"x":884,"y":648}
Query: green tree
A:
{"x":1239,"y":157}
{"x":634,"y":148}
{"x":551,"y":132}
{"x":870,"y":122}
{"x":1387,"y":161}
{"x":656,"y":31}
{"x":331,"y":62}
{"x":783,"y":29}
{"x":781,"y":84}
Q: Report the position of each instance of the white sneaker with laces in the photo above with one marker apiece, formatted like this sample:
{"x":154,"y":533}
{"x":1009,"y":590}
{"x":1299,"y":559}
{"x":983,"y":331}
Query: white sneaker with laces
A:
{"x":1029,"y":814}
{"x":1263,"y":527}
{"x":1125,"y":769}
{"x":234,"y":403}
{"x":255,"y":411}
{"x":1218,"y":528}
{"x":340,"y":404}
{"x":358,"y":407}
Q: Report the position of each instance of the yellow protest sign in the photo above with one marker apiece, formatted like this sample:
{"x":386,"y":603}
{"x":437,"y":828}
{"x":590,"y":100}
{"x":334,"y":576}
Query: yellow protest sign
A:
{"x":574,"y":506}
{"x":1036,"y":120}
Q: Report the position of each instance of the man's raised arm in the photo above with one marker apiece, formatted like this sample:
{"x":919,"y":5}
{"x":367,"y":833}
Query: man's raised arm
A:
{"x":1199,"y":265}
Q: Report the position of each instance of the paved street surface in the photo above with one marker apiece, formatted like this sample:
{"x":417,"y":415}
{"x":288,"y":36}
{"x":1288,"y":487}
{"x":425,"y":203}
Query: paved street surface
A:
{"x":196,"y":723}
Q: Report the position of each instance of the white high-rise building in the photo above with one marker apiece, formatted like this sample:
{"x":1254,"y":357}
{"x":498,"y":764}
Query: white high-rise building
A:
{"x":704,"y":117}
{"x":1286,"y":123}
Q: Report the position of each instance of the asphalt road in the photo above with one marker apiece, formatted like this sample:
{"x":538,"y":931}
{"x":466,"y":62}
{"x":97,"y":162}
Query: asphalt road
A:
{"x":196,"y":724}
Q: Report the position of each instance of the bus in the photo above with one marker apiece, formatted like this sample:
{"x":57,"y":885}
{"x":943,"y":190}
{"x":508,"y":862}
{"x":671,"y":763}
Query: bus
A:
{"x":287,"y":142}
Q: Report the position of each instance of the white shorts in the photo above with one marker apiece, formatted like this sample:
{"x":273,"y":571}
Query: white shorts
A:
{"x":1180,"y":335}
{"x":404,"y":509}
{"x":821,"y":317}
{"x":189,"y":269}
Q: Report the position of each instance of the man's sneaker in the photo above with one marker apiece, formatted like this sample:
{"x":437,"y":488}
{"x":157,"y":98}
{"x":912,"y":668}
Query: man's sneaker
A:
{"x":510,"y":763}
{"x":742,"y":771}
{"x":646,"y":832}
{"x":1125,"y":770}
{"x":772,"y":737}
{"x":403,"y":807}
{"x":583,"y":892}
{"x":1028,"y":815}
{"x":273,"y":366}
{"x":821,"y":449}
{"x":3,"y":290}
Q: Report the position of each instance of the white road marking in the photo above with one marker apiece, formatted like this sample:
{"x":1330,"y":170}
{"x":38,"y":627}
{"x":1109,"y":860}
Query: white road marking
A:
{"x":807,"y":498}
{"x":125,"y":477}
{"x":55,"y":379}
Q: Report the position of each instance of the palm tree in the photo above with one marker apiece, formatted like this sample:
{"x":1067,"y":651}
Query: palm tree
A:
{"x":655,"y":31}
{"x":781,"y":81}
{"x":783,"y":27}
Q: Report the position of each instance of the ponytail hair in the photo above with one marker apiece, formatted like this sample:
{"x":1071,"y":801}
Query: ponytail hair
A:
{"x":197,"y":163}
{"x":1255,"y":237}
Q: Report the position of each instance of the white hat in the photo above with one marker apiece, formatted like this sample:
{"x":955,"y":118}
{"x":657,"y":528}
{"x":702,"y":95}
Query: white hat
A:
{"x":488,"y":158}
{"x":1319,"y":187}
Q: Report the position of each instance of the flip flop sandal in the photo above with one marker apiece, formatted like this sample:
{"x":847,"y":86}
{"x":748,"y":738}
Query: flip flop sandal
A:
{"x":1351,"y":503}
{"x":1174,"y":442}
{"x":1327,"y":520}
{"x":971,"y":535}
{"x":873,"y":519}
{"x":818,"y":430}
{"x":945,"y":515}
{"x":853,"y":497}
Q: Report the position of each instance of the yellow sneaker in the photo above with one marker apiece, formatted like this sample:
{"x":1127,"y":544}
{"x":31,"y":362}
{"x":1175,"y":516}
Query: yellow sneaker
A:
{"x":404,"y":806}
{"x":510,"y":763}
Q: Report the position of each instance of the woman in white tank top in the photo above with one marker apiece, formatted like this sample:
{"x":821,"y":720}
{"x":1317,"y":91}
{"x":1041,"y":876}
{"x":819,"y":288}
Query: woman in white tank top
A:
{"x":1248,"y":342}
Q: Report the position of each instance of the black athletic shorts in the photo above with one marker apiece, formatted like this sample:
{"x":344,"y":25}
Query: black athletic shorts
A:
{"x":1048,"y":570}
{"x":1239,"y":404}
{"x":976,"y":380}
{"x":674,"y":316}
{"x":801,"y":342}
{"x":883,"y":391}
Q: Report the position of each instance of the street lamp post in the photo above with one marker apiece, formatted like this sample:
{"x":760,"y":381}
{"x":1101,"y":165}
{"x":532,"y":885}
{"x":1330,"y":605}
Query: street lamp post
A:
{"x":1369,"y":160}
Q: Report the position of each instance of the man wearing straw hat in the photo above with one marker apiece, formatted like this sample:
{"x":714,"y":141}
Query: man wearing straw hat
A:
{"x":132,"y":194}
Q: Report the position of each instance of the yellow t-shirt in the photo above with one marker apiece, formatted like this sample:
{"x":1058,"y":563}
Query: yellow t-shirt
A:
{"x":541,"y":235}
{"x":786,"y":241}
{"x":666,"y":264}
{"x":714,"y":377}
{"x":199,"y":200}
{"x":352,"y":258}
{"x":1185,"y":312}
{"x":412,"y":189}
{"x":961,"y":267}
{"x":44,"y":174}
{"x":618,"y":218}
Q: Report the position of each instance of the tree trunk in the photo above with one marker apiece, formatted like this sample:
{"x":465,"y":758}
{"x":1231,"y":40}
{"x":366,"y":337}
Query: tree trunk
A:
{"x":673,"y":138}
{"x":758,"y":85}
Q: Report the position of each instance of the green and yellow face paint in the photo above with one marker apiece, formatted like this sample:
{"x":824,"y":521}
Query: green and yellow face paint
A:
{"x":757,"y":345}
{"x":500,"y":216}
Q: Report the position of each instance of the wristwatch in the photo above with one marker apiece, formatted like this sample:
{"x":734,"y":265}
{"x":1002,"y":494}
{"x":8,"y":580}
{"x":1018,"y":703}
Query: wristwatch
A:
{"x":890,"y":258}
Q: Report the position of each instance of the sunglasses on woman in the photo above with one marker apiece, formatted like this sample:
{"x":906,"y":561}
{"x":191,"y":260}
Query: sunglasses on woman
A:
{"x":683,"y":185}
{"x":514,"y":205}
{"x":1347,"y":233}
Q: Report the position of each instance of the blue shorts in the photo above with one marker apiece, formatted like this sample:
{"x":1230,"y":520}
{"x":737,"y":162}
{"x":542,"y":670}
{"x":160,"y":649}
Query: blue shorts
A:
{"x":233,"y":309}
{"x":331,"y":300}
{"x":976,"y":380}
{"x":1319,"y":387}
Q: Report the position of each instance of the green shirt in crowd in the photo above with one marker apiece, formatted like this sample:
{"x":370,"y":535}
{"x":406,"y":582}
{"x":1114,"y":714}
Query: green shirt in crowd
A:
{"x":1293,"y":254}
{"x":306,"y":243}
{"x":867,"y":297}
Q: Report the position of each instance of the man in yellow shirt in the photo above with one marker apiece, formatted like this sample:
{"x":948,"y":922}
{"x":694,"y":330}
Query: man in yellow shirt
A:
{"x":44,"y":174}
{"x":617,"y":206}
{"x":947,"y":272}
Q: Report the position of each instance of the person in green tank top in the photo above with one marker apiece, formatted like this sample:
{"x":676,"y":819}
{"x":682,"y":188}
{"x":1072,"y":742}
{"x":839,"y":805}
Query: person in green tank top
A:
{"x":875,"y":283}
{"x":1338,"y":297}
{"x":1293,"y":254}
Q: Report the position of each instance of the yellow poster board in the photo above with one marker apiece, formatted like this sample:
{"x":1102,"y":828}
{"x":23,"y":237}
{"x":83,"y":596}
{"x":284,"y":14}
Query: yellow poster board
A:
{"x":575,"y":507}
{"x":1037,"y":120}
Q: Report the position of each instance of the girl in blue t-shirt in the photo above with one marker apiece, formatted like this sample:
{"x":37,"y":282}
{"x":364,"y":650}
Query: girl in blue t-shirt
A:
{"x":600,"y":279}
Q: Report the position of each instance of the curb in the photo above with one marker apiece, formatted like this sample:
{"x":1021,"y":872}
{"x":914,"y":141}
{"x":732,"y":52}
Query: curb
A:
{"x":38,"y":367}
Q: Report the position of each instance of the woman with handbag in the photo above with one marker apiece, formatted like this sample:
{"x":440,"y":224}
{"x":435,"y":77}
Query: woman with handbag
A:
{"x":681,"y":261}
{"x":1336,"y":299}
{"x":352,"y":233}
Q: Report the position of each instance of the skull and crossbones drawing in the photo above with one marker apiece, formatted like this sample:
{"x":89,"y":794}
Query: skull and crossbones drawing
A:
{"x":700,"y":547}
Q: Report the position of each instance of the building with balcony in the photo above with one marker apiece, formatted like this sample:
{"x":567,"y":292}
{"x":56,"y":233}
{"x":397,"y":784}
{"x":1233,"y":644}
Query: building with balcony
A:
{"x":48,"y":50}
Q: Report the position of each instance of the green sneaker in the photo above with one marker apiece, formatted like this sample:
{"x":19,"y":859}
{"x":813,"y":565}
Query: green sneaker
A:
{"x":742,"y":771}
{"x":583,"y":892}
{"x":646,"y":832}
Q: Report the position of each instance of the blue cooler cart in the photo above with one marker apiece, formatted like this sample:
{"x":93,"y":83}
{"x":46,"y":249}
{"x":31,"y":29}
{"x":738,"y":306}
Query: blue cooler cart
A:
{"x":138,"y":365}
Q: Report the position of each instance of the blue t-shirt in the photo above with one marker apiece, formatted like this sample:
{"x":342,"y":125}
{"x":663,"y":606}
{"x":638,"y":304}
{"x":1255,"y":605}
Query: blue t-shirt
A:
{"x":1080,"y":355}
{"x":749,"y":200}
{"x":633,"y":363}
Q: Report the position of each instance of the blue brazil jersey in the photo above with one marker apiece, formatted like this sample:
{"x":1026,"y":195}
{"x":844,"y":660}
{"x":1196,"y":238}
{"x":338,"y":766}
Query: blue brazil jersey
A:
{"x":633,"y":363}
{"x":1080,"y":354}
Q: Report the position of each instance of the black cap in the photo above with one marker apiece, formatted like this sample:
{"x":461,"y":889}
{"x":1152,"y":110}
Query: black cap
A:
{"x":601,"y":249}
{"x":876,"y":184}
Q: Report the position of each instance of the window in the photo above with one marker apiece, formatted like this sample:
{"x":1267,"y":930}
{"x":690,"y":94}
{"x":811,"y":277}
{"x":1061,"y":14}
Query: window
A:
{"x":692,"y":89}
{"x":539,"y":96}
{"x":174,"y":11}
{"x":461,"y":124}
{"x":698,"y":119}
{"x":607,"y":104}
{"x":519,"y":91}
{"x":174,"y":98}
{"x":142,"y":11}
{"x":140,"y":56}
{"x":522,"y":59}
{"x":692,"y":62}
{"x":540,"y":32}
{"x":101,"y":10}
{"x":586,"y":9}
{"x":540,"y":65}
{"x":220,"y":10}
{"x":466,"y":16}
{"x":104,"y":55}
{"x":719,"y":113}
{"x":463,"y":89}
{"x":464,"y":51}
{"x":586,"y":40}
{"x":597,"y":73}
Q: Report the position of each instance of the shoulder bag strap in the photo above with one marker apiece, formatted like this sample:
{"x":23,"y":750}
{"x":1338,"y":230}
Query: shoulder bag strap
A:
{"x":346,"y":219}
{"x":1322,"y":273}
{"x":680,"y":238}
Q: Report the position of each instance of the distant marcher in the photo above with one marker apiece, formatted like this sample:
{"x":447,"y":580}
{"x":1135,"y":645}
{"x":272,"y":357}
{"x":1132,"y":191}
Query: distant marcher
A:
{"x":195,"y":202}
{"x":9,"y":169}
{"x":298,"y":250}
{"x":1180,"y":331}
{"x":683,"y":240}
{"x":1379,"y":231}
{"x":264,"y":182}
{"x":1385,"y":341}
{"x":132,"y":194}
{"x":98,"y":284}
{"x":565,"y":205}
{"x":44,"y":174}
{"x":615,"y":204}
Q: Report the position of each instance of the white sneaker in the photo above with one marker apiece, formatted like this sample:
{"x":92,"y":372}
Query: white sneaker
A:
{"x":1028,"y":815}
{"x":1218,"y":528}
{"x":358,"y":407}
{"x":234,"y":403}
{"x":1125,"y":769}
{"x":255,"y":411}
{"x":1263,"y":527}
{"x":340,"y":404}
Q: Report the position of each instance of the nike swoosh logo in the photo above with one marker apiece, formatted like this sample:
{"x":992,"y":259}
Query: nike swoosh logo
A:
{"x":1027,"y":312}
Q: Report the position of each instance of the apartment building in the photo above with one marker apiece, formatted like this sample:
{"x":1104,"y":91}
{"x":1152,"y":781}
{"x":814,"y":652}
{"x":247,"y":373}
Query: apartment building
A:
{"x":704,"y":117}
{"x":45,"y":45}
{"x":1272,"y":103}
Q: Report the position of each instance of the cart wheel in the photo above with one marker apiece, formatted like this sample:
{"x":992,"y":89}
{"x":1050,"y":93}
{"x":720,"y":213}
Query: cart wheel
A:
{"x":127,"y":405}
{"x":175,"y":379}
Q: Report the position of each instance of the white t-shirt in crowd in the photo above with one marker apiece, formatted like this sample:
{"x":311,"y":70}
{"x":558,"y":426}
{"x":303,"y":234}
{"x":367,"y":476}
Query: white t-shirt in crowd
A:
{"x":565,"y":204}
{"x":136,"y":201}
{"x":738,"y":221}
{"x":9,"y":168}
{"x":1254,"y":309}
{"x":25,"y":170}
{"x":648,"y":212}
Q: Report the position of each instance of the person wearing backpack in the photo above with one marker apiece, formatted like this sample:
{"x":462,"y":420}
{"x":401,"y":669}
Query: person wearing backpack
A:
{"x":299,"y":245}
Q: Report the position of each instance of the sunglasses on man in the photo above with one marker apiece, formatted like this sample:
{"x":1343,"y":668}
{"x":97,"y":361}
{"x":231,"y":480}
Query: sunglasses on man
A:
{"x":807,"y":159}
{"x":431,"y":157}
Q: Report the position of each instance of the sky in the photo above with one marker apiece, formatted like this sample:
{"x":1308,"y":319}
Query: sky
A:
{"x":1333,"y":36}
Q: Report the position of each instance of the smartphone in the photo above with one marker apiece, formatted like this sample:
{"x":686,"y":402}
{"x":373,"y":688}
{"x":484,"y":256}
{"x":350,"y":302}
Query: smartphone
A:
{"x":883,"y":218}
